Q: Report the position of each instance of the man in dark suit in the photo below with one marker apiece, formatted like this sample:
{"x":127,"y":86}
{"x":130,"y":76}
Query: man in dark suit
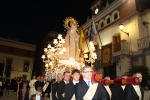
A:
{"x":46,"y":89}
{"x":55,"y":87}
{"x":134,"y":92}
{"x":62,"y":85}
{"x":42,"y":81}
{"x":118,"y":90}
{"x":37,"y":83}
{"x":70,"y":88}
{"x":98,"y":92}
{"x":107,"y":89}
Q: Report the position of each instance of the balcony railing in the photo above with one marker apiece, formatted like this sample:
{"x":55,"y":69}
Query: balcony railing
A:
{"x":143,"y":43}
{"x":122,"y":47}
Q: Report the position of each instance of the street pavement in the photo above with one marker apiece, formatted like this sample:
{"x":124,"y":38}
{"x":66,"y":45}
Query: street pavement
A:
{"x":11,"y":96}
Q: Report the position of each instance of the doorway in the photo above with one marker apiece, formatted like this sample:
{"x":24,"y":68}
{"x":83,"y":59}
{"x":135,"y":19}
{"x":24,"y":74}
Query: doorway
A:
{"x":110,"y":71}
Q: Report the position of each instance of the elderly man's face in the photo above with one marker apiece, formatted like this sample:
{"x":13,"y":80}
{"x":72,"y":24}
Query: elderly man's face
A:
{"x":87,"y":74}
{"x":139,"y":76}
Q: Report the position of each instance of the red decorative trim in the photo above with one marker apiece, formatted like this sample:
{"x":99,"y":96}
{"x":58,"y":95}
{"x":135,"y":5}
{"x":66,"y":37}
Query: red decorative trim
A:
{"x":17,"y":51}
{"x":96,"y":77}
{"x":120,"y":81}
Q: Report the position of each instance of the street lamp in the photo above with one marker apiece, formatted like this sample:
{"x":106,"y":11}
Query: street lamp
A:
{"x":52,"y":54}
{"x":121,"y":28}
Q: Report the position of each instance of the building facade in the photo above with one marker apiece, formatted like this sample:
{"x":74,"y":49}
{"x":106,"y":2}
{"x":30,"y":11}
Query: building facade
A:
{"x":16,"y":58}
{"x":118,"y":49}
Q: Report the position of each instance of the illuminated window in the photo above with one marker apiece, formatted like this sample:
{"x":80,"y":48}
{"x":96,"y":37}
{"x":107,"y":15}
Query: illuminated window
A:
{"x":26,"y":66}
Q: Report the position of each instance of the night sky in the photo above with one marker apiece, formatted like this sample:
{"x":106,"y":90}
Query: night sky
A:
{"x":31,"y":20}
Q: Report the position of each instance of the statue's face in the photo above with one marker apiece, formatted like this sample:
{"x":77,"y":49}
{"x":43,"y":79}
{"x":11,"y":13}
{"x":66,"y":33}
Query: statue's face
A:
{"x":70,"y":24}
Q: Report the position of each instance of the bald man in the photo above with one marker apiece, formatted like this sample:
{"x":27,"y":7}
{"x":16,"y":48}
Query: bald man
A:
{"x":134,"y":92}
{"x":55,"y":87}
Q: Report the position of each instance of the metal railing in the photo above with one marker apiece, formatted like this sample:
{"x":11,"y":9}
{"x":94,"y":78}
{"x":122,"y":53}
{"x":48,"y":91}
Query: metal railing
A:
{"x":123,"y":45}
{"x":143,"y":43}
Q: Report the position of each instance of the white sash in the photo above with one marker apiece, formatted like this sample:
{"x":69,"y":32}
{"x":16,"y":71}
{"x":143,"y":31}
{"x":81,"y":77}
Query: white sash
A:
{"x":108,"y":90}
{"x":91,"y":92}
{"x":73,"y":97}
{"x":138,"y":91}
{"x":45,"y":86}
{"x":63,"y":94}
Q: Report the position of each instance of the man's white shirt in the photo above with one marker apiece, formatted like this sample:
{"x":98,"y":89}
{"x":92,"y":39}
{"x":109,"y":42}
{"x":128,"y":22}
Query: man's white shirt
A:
{"x":75,"y":82}
{"x":138,"y":91}
{"x":123,"y":86}
{"x":38,"y":97}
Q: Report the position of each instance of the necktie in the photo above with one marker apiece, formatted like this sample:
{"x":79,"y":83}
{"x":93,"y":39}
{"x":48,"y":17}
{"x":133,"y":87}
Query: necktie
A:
{"x":89,"y":83}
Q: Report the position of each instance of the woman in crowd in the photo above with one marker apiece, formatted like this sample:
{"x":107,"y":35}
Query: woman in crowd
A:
{"x":23,"y":93}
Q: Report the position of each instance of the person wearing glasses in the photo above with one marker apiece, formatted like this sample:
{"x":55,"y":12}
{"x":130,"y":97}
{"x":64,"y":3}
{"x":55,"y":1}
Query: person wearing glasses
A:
{"x":86,"y":90}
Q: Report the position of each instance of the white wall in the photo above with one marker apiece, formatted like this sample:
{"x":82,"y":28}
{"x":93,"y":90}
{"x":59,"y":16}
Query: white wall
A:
{"x":145,"y":17}
{"x":19,"y":74}
{"x":17,"y":65}
{"x":123,"y":65}
{"x":130,"y":25}
{"x":136,"y":31}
